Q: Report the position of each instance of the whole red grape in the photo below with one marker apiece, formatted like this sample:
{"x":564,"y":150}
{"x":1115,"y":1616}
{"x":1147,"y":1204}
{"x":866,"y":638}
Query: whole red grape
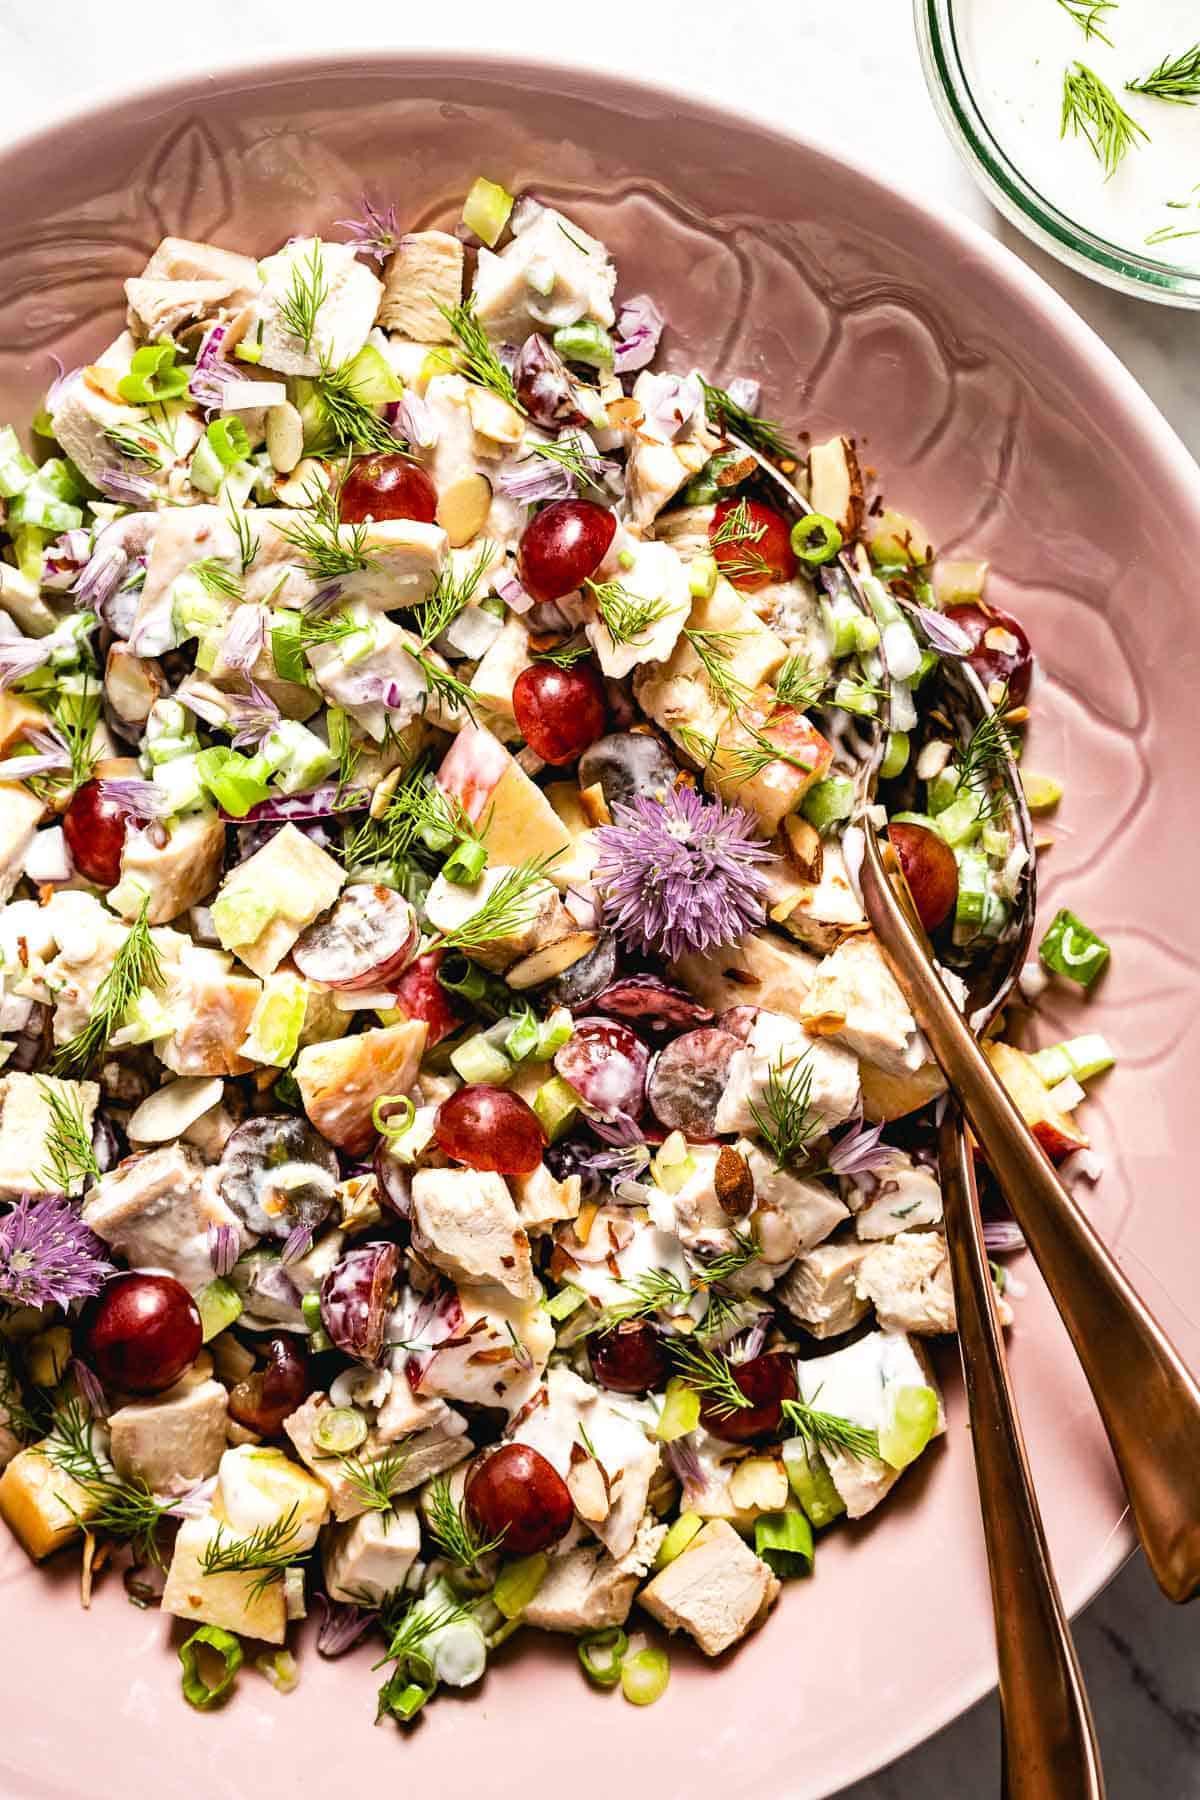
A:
{"x":1002,"y":651}
{"x":141,"y":1332}
{"x":767,"y":1381}
{"x":628,"y":1359}
{"x":94,"y":827}
{"x":517,"y":1492}
{"x":559,"y":711}
{"x":268,"y":1396}
{"x":489,"y":1128}
{"x":756,"y":547}
{"x":562,"y":545}
{"x":389,"y":486}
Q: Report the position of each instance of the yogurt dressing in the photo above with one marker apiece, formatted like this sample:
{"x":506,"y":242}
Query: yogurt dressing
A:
{"x":1016,"y":53}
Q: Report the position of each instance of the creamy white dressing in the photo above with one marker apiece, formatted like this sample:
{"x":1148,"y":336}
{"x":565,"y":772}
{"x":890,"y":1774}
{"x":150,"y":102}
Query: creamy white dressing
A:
{"x":1016,"y":54}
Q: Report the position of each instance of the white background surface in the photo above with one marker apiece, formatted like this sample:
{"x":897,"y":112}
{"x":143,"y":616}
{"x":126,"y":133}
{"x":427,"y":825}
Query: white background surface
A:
{"x":846,"y":72}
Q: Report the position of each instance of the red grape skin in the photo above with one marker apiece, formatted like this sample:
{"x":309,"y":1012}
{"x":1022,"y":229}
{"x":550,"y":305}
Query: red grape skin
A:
{"x":390,"y":486}
{"x":751,"y":562}
{"x":489,"y":1128}
{"x":94,"y":827}
{"x":562,"y":545}
{"x":996,"y":661}
{"x":141,"y":1332}
{"x":559,"y":711}
{"x":268,"y":1396}
{"x":930,"y":870}
{"x":765,"y":1380}
{"x":515,"y":1490}
{"x":629,"y":1359}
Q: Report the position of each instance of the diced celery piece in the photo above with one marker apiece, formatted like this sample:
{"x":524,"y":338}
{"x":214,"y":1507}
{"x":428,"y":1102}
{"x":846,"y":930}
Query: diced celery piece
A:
{"x":236,"y":782}
{"x":972,"y":889}
{"x":911,"y":1422}
{"x":673,"y":1165}
{"x":518,"y":1582}
{"x":784,"y":1541}
{"x":585,"y":342}
{"x":16,"y":469}
{"x":240,"y":916}
{"x":554,"y":1032}
{"x":29,"y":542}
{"x":810,"y":1481}
{"x":942,"y":790}
{"x":193,"y":610}
{"x":828,"y":802}
{"x":277,"y":1020}
{"x":522,"y":1039}
{"x":146,"y":1018}
{"x":287,"y":648}
{"x":996,"y":843}
{"x":680,"y":1413}
{"x":557,"y":1106}
{"x":478,"y":1060}
{"x":1073,"y":949}
{"x":1081,"y":1057}
{"x":685,"y":1528}
{"x":486,"y":210}
{"x":568,"y":1300}
{"x":206,"y":471}
{"x":218,"y":1304}
{"x":1042,"y":793}
{"x":702,"y":577}
{"x":297,"y":757}
{"x":960,"y":823}
{"x":372,"y":377}
{"x":895,"y":758}
{"x":179,"y":779}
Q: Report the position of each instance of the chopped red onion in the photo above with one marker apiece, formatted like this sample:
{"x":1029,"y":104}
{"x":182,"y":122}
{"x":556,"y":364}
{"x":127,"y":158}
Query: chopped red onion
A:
{"x":245,"y":635}
{"x":669,"y":403}
{"x":207,"y":382}
{"x":1003,"y":1236}
{"x":511,"y":592}
{"x":526,"y":212}
{"x":64,"y":559}
{"x":212,"y":711}
{"x":318,"y":803}
{"x":342,"y":1625}
{"x":196,"y":1502}
{"x":860,"y":1152}
{"x":681,"y":1454}
{"x":224,"y":1247}
{"x":530,"y":479}
{"x":639,"y":327}
{"x":119,"y":484}
{"x":324,"y":598}
{"x":415,"y":419}
{"x":944,"y":636}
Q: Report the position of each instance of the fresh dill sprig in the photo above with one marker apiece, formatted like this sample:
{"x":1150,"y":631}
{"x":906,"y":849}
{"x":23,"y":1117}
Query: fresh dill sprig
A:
{"x":74,"y":718}
{"x":982,"y":764}
{"x":373,"y":1481}
{"x":418,"y":812}
{"x":737,"y":527}
{"x":247,"y":542}
{"x":627,"y":616}
{"x":330,"y":549}
{"x":652,"y":1291}
{"x":408,"y":1632}
{"x":729,"y":1263}
{"x":443,"y":685}
{"x":569,"y":454}
{"x":798,"y":684}
{"x":454,"y":1531}
{"x":451,"y":595}
{"x":1166,"y":233}
{"x":1177,"y":79}
{"x":265,"y":1553}
{"x":711,"y":648}
{"x":476,"y":356}
{"x":761,"y":434}
{"x":1091,"y":110}
{"x":505,"y":910}
{"x":571,"y":239}
{"x":709,"y":1374}
{"x":68,"y":1141}
{"x":308,"y":290}
{"x":327,"y":628}
{"x":785,"y":1122}
{"x":566,"y":654}
{"x":218,"y":581}
{"x":119,"y":1508}
{"x":126,"y":445}
{"x":1088,"y":14}
{"x":827,"y":1431}
{"x":135,"y":966}
{"x":351,"y":420}
{"x":743,"y":762}
{"x":718,"y":1314}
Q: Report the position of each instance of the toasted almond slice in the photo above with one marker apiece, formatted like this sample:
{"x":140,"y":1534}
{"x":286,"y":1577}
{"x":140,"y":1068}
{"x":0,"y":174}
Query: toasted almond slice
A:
{"x":588,"y":1486}
{"x":759,"y":1484}
{"x":804,"y":847}
{"x":296,"y":488}
{"x":166,"y":1114}
{"x":595,"y":805}
{"x":463,"y":507}
{"x":551,"y":960}
{"x":285,"y":437}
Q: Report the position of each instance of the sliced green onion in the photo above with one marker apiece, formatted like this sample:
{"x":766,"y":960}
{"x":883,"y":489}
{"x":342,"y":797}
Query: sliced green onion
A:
{"x":218,"y":1304}
{"x":1073,"y":949}
{"x":1081,"y":1057}
{"x":310,"y":1308}
{"x":601,"y":1654}
{"x":280,"y":1668}
{"x":557,"y":1105}
{"x":644,"y":1677}
{"x":196,"y":1690}
{"x":1042,"y":793}
{"x":811,"y":1483}
{"x":339,"y":1429}
{"x":705,"y":487}
{"x":392,"y":1114}
{"x":486,"y":209}
{"x":466,"y":865}
{"x":895,"y":757}
{"x":233,"y":780}
{"x":911,"y":1423}
{"x":568,"y":1300}
{"x":828,"y":802}
{"x":518,"y":1582}
{"x":553,"y":1033}
{"x":702,"y":577}
{"x":585,"y":342}
{"x":866,"y":634}
{"x":522,"y":1040}
{"x":478,"y":1060}
{"x":816,"y":539}
{"x":687,"y":1526}
{"x":405,"y":1701}
{"x":484,"y":993}
{"x":153,"y":376}
{"x":961,"y":822}
{"x":784,"y":1541}
{"x":228,"y":440}
{"x":973,"y":890}
{"x":996,"y":843}
{"x":680,"y":1413}
{"x":839,"y":629}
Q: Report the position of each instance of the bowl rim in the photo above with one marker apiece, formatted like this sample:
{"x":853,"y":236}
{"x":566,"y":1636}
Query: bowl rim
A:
{"x":1095,"y":360}
{"x":962,"y":118}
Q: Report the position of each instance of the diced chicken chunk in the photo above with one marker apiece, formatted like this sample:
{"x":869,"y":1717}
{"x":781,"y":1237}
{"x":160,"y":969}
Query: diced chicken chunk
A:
{"x":185,"y":259}
{"x":375,"y":677}
{"x":180,"y":873}
{"x":404,"y":558}
{"x":85,"y":937}
{"x":586,"y":1589}
{"x":627,"y":1456}
{"x":763,"y":970}
{"x":859,"y":1384}
{"x":496,"y":1355}
{"x":498,"y":669}
{"x":348,"y":296}
{"x":87,"y":408}
{"x":903,"y":1196}
{"x":542,"y":1200}
{"x":908,"y":1283}
{"x":156,"y":1209}
{"x":426,"y":1453}
{"x":174,"y":1440}
{"x":265,"y":903}
{"x":466,"y":1223}
{"x":797,"y":1214}
{"x":538,"y":918}
{"x":778,"y":1049}
{"x":423,"y":274}
{"x":212,"y":1008}
{"x":777,"y":788}
{"x":20,"y":814}
{"x":819,"y":1289}
{"x":657,"y":581}
{"x":562,"y":258}
{"x":818,"y":913}
{"x":25,"y":1129}
{"x":224,"y":1599}
{"x":716,"y":1591}
{"x":341,"y":1079}
{"x":368,"y":1557}
{"x":854,"y":1000}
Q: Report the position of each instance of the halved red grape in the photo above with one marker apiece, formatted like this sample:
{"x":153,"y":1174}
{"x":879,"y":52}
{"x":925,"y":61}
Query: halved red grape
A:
{"x":141,"y":1332}
{"x":489,"y":1128}
{"x":1002,"y":651}
{"x":767,"y":1381}
{"x":626,"y":764}
{"x":630,"y":1358}
{"x":751,"y":554}
{"x":268,"y":1396}
{"x":391,"y":486}
{"x":606,"y":1064}
{"x":94,"y":827}
{"x":930,"y":870}
{"x":739,"y":1021}
{"x":356,"y":1297}
{"x":361,"y":942}
{"x":515,"y":1490}
{"x":562,"y":545}
{"x":559,"y":712}
{"x":544,"y":385}
{"x":420,"y":995}
{"x":278,"y":1175}
{"x":688,"y":1079}
{"x":652,"y":1001}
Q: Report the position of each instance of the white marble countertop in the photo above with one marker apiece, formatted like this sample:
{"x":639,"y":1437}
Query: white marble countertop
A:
{"x":856,"y":82}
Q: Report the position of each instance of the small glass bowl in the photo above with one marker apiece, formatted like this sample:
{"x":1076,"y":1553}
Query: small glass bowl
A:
{"x":1007,"y":188}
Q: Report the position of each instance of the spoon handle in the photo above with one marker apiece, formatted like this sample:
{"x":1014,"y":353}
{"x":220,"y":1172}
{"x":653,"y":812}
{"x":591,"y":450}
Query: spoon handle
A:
{"x":1049,"y":1740}
{"x":1148,"y":1401}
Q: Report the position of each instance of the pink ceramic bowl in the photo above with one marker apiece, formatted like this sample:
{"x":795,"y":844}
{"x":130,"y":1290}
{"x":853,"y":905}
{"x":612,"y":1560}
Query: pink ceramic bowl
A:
{"x":993,"y":413}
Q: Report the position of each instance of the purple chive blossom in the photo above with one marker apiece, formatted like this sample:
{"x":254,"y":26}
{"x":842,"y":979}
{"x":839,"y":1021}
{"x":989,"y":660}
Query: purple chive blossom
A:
{"x":678,"y":874}
{"x":102,"y":576}
{"x":414,"y":418}
{"x":89,"y":1387}
{"x":296,"y":1244}
{"x":253,"y":716}
{"x":20,"y":656}
{"x":745,"y":392}
{"x":341,"y":1625}
{"x":140,"y":799}
{"x":206,"y":384}
{"x":860,"y":1152}
{"x":376,"y":234}
{"x":1002,"y":1236}
{"x":205,"y":705}
{"x":119,"y":484}
{"x":224,"y":1247}
{"x":48,"y":1255}
{"x":245,"y":635}
{"x":51,"y":756}
{"x":323,"y":599}
{"x":682,"y":1456}
{"x":639,"y":327}
{"x":947,"y":638}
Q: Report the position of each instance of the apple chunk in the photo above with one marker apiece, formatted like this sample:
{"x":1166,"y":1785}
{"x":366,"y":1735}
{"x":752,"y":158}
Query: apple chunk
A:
{"x":516,"y":819}
{"x":1055,"y":1131}
{"x":777,"y":787}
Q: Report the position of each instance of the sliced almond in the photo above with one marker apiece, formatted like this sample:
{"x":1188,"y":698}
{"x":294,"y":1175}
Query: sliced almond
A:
{"x":463,"y":507}
{"x":826,"y":1024}
{"x":624,"y":412}
{"x":493,"y":417}
{"x":381,"y":798}
{"x":104,"y":381}
{"x":595,"y":805}
{"x":166,"y":1114}
{"x":733,"y":1182}
{"x":296,"y":489}
{"x":131,"y":683}
{"x":588,"y":1486}
{"x":835,"y":484}
{"x":759,"y":1484}
{"x":803,"y":843}
{"x":551,"y":960}
{"x":285,"y":437}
